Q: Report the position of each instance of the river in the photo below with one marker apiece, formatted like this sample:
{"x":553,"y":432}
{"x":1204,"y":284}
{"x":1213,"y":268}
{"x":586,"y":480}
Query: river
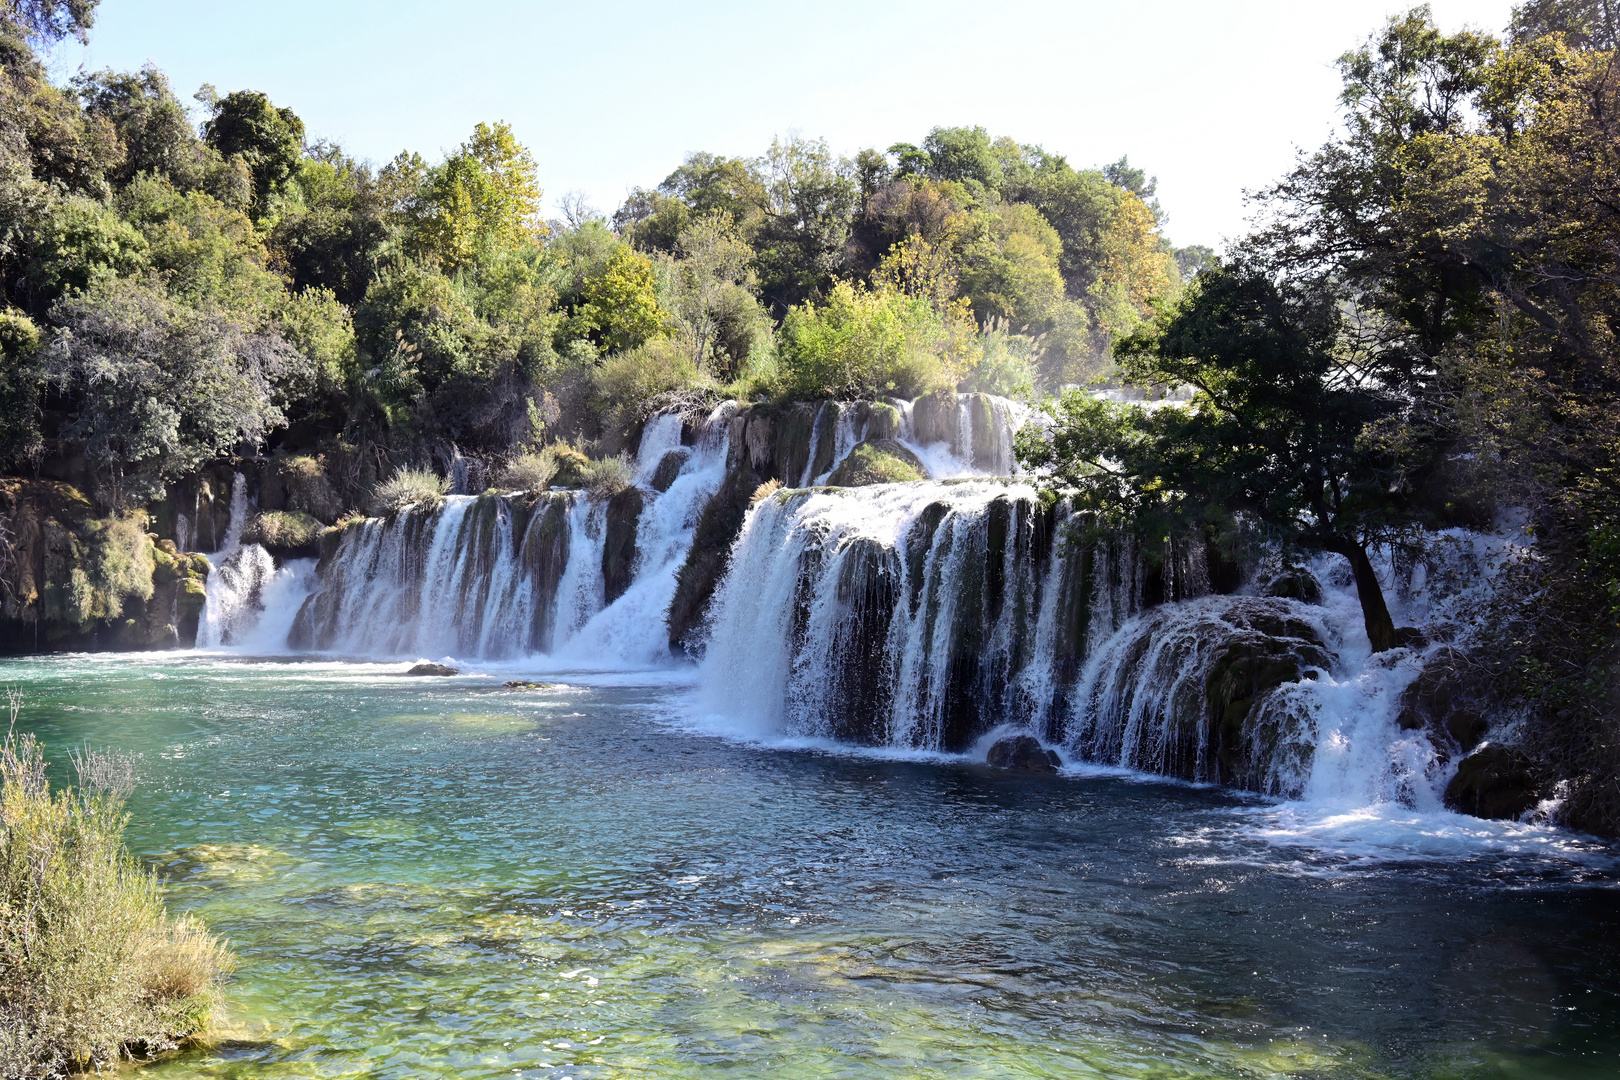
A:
{"x":440,"y":877}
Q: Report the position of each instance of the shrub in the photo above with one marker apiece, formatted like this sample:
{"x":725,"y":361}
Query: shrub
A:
{"x":1005,"y":364}
{"x":531,"y":472}
{"x":573,"y":466}
{"x":407,"y":486}
{"x":282,"y":529}
{"x":608,"y":476}
{"x":92,"y":968}
{"x":862,"y":343}
{"x":625,"y":384}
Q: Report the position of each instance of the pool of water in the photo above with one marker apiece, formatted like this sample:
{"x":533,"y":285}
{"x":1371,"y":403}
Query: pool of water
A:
{"x":439,"y":877}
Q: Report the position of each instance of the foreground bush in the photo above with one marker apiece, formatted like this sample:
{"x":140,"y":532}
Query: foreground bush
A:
{"x":92,"y":969}
{"x":282,"y":529}
{"x":405,"y":487}
{"x":863,"y":343}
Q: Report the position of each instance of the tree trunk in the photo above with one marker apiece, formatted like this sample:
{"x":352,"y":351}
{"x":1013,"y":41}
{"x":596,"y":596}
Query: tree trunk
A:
{"x":1374,"y":612}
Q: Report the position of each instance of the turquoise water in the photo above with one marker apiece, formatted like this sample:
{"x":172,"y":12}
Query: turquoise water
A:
{"x":437,"y":877}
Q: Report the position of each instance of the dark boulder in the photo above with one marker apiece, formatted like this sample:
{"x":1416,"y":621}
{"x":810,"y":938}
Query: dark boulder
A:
{"x":669,"y":467}
{"x":1493,"y":782}
{"x":934,"y":418}
{"x":1444,"y":702}
{"x":1023,"y":753}
{"x":426,"y":668}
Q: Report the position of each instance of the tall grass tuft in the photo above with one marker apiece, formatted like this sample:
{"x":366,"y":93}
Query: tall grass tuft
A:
{"x":92,"y":968}
{"x":407,"y":486}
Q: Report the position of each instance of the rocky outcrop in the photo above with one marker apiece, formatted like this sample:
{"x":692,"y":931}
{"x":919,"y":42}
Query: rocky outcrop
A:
{"x":710,"y":554}
{"x":427,"y":668}
{"x":1494,"y":782}
{"x":70,"y":579}
{"x":285,"y":534}
{"x":1022,"y":753}
{"x":619,"y":549}
{"x":1445,"y":702}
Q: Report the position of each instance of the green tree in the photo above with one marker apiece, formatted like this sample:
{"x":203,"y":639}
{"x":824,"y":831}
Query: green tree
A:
{"x":808,"y":207}
{"x":20,"y":380}
{"x":157,"y":388}
{"x":49,"y":21}
{"x":482,"y":200}
{"x":151,"y":124}
{"x":333,"y":233}
{"x":621,"y":309}
{"x":269,"y":140}
{"x":871,"y":343}
{"x":1287,"y":428}
{"x":710,"y":284}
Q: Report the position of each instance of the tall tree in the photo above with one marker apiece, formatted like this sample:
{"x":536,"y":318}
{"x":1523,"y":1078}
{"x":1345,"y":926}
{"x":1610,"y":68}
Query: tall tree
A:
{"x":269,"y":140}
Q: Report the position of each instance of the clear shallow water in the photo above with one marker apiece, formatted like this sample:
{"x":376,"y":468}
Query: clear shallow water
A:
{"x":436,"y":877}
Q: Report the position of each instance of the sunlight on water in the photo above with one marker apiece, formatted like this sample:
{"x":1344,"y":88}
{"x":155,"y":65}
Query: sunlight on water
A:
{"x":439,"y":877}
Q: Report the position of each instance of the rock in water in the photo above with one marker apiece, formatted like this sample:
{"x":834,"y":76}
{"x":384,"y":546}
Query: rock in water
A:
{"x":1023,"y":753}
{"x":433,"y":669}
{"x":1493,"y":782}
{"x":519,"y":684}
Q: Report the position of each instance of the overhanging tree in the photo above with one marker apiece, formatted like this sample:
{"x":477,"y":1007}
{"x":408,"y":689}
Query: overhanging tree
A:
{"x":1297,"y":424}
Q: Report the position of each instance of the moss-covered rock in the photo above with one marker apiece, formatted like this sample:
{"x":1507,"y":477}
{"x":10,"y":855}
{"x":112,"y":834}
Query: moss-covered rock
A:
{"x":882,"y":462}
{"x":934,"y":418}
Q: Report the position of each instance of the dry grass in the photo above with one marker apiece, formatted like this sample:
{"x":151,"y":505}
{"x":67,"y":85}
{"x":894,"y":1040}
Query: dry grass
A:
{"x":406,"y":487}
{"x":92,"y":968}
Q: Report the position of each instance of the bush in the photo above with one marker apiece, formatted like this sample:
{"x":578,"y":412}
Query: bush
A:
{"x":882,"y":462}
{"x":1005,"y":364}
{"x":624,"y":385}
{"x":866,"y":344}
{"x":531,"y":472}
{"x":573,"y":466}
{"x":407,"y":486}
{"x":608,"y":476}
{"x":92,"y":969}
{"x":282,"y":529}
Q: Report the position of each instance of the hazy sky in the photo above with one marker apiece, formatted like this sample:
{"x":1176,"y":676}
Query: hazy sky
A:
{"x":1211,"y":97}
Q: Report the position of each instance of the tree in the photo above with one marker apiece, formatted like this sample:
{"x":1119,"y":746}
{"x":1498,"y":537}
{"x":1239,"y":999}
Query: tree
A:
{"x":809,"y":202}
{"x":152,"y":125}
{"x":49,"y":21}
{"x":157,"y":388}
{"x":484,"y":198}
{"x":621,"y":309}
{"x":871,"y":343}
{"x":269,"y":140}
{"x":1287,"y":429}
{"x":20,"y":382}
{"x":710,"y":285}
{"x":333,"y":234}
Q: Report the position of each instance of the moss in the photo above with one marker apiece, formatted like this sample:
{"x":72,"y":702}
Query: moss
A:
{"x":882,"y":462}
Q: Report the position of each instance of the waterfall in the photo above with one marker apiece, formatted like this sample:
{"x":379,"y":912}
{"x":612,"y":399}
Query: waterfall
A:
{"x":582,"y":577}
{"x":250,"y":602}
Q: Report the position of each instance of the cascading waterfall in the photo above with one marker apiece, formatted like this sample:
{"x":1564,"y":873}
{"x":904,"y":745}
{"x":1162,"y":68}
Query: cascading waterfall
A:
{"x":250,"y":599}
{"x":578,"y":576}
{"x":928,"y":616}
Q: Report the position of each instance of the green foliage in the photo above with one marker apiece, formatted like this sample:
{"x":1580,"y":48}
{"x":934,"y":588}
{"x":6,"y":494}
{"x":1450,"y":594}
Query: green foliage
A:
{"x":1005,"y":365}
{"x":20,"y":380}
{"x":333,"y":226}
{"x":118,"y":566}
{"x":483,"y":199}
{"x":709,"y":288}
{"x":314,"y":323}
{"x":625,"y":384}
{"x":91,"y":966}
{"x":1009,"y":265}
{"x":531,"y":472}
{"x":79,"y":243}
{"x":606,"y":477}
{"x":161,"y":388}
{"x":49,"y":21}
{"x":282,"y":529}
{"x":151,"y":125}
{"x":268,"y":140}
{"x":620,"y":308}
{"x":862,"y":343}
{"x":408,"y":487}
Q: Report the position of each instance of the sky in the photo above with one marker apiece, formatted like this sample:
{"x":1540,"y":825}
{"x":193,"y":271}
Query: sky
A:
{"x":1212,"y":98}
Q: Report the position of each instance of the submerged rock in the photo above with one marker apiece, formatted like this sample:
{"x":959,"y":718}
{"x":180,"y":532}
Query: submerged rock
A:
{"x":1494,"y":782}
{"x":519,"y":684}
{"x":433,"y":669}
{"x":1023,"y":753}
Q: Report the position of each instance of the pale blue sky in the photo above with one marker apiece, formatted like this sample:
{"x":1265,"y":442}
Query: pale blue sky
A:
{"x":1212,"y":97}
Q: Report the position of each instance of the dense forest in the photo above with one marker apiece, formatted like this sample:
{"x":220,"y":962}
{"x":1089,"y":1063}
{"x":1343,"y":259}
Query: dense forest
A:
{"x":177,"y":292}
{"x":1416,"y":335}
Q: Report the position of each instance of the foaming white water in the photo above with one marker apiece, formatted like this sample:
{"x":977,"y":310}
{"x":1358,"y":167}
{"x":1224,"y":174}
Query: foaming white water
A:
{"x":251,"y":602}
{"x":660,"y":435}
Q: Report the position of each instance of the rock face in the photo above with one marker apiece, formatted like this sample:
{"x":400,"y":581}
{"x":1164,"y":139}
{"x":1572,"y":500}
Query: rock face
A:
{"x":72,"y":580}
{"x":1442,"y":702}
{"x":1023,"y":753}
{"x":619,"y":549}
{"x":426,"y":668}
{"x":1493,"y":782}
{"x":706,"y":563}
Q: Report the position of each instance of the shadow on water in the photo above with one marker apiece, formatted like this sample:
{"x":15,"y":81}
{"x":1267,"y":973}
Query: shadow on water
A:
{"x":442,"y":878}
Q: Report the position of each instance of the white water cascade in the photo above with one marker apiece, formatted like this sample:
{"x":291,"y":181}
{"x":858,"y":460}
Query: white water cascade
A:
{"x":251,"y":602}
